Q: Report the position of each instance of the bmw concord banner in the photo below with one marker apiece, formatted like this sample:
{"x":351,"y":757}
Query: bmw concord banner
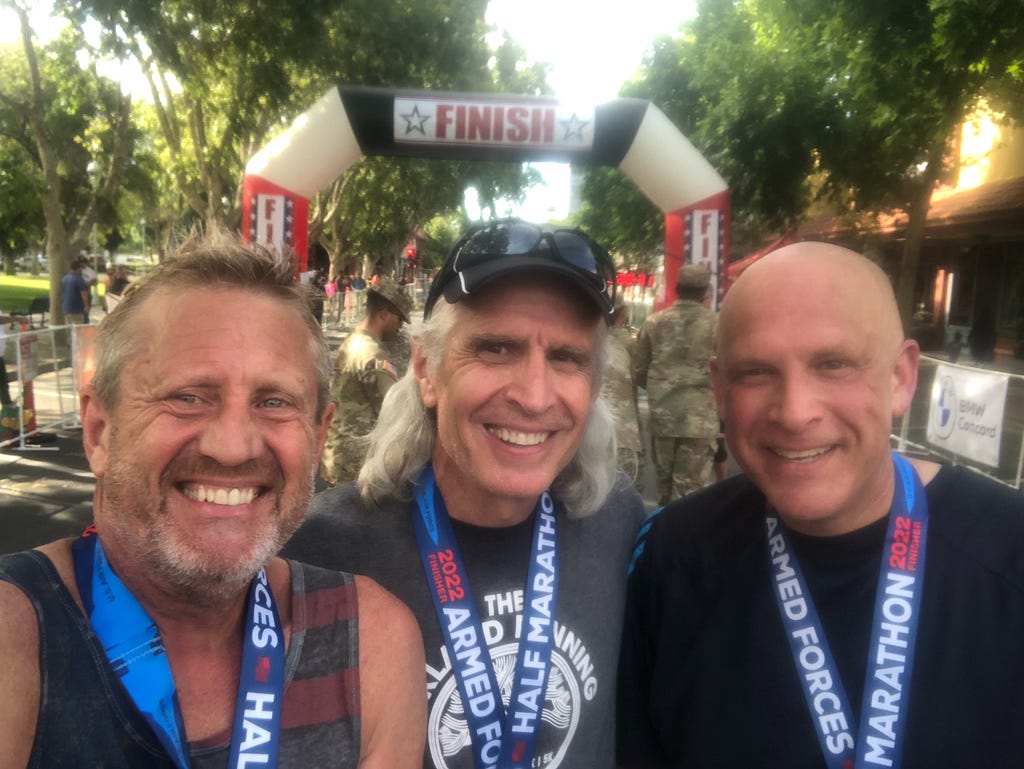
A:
{"x":965,"y":415}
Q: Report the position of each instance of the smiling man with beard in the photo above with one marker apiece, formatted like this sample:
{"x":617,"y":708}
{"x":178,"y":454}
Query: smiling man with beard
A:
{"x":490,"y":503}
{"x":170,"y":634}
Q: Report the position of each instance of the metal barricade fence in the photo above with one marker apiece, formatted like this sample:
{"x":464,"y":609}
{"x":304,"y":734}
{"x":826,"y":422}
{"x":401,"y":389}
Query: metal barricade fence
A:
{"x":47,"y":366}
{"x":912,"y":429}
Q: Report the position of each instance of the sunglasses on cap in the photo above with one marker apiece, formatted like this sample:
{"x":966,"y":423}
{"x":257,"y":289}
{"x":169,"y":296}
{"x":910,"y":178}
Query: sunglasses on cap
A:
{"x":514,"y":246}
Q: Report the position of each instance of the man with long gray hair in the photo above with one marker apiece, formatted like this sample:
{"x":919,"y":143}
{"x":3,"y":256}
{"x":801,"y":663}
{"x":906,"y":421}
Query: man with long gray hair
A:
{"x":491,"y":504}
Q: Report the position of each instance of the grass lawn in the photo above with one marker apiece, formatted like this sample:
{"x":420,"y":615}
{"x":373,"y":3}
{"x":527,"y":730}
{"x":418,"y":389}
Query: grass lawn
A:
{"x":18,"y":291}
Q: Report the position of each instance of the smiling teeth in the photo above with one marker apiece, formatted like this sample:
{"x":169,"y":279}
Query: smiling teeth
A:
{"x":220,"y":495}
{"x":797,"y":456}
{"x":516,"y":438}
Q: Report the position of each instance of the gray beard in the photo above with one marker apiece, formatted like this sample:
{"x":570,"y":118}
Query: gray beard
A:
{"x":171,"y":560}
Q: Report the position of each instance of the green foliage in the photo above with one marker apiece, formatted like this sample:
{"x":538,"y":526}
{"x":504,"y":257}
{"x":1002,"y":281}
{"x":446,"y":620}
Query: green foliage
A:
{"x":66,"y":141}
{"x":618,"y":215}
{"x":796,"y":103}
{"x":441,"y":234}
{"x":21,"y":219}
{"x":227,"y":75}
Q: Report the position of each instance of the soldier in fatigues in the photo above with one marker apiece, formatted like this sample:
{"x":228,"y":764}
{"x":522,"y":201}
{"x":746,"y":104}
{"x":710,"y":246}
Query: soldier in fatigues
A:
{"x":620,"y":394}
{"x":363,"y":372}
{"x":672,"y":361}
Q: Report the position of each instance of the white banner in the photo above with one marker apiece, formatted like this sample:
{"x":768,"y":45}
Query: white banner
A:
{"x":272,"y":222}
{"x":705,"y":238}
{"x":965,"y":414}
{"x":423,"y":120}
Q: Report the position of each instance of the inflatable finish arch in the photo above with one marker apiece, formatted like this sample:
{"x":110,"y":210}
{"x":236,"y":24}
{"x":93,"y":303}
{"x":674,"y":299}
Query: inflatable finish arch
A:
{"x":350,"y":122}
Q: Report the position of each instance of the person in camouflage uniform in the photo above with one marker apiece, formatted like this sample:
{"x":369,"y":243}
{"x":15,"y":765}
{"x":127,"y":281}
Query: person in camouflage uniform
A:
{"x":620,"y":394}
{"x":363,"y":372}
{"x":672,"y":361}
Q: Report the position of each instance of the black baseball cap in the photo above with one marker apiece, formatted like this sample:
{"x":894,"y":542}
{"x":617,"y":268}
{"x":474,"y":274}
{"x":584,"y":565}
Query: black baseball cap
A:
{"x":507,"y":246}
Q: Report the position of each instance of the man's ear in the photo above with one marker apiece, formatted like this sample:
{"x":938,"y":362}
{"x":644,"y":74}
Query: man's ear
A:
{"x":96,"y":424}
{"x":426,"y":382}
{"x":904,"y":377}
{"x":321,"y":430}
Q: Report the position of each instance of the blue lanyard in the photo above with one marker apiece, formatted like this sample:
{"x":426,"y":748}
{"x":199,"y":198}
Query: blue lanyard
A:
{"x":499,"y":739}
{"x":136,"y":652}
{"x":879,"y":741}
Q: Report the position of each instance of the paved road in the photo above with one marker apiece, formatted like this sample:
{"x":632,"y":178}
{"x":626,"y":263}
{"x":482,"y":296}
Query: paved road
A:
{"x":44,"y":495}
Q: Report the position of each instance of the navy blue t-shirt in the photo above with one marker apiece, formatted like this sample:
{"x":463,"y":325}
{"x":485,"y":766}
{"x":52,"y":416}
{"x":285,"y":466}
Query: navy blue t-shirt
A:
{"x":707,"y":678}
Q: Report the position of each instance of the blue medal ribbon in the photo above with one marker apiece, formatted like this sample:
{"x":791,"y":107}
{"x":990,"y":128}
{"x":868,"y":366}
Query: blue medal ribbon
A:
{"x":879,"y":741}
{"x":499,"y":738}
{"x":136,"y":652}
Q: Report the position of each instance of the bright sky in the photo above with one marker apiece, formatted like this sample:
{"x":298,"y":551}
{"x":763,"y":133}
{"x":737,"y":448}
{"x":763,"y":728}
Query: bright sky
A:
{"x":593,"y":48}
{"x":39,"y":15}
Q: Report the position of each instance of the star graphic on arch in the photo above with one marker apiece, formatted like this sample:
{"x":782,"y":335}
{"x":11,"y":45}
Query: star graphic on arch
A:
{"x":414,"y":121}
{"x":574,"y":128}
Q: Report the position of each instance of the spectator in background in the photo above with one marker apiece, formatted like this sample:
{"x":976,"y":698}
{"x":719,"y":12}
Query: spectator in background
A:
{"x":981,"y":339}
{"x":117,"y":282}
{"x":5,"y":392}
{"x":91,"y":278}
{"x":318,"y":294}
{"x":363,"y":373}
{"x":672,"y":361}
{"x":618,"y":390}
{"x":955,"y":346}
{"x":74,"y":294}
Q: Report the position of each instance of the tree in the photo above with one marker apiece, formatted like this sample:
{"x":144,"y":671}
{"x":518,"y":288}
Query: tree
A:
{"x":745,"y":106}
{"x":21,"y":219}
{"x":854,"y":103}
{"x":75,"y":127}
{"x":220,"y":76}
{"x":901,"y":78}
{"x":225,"y":76}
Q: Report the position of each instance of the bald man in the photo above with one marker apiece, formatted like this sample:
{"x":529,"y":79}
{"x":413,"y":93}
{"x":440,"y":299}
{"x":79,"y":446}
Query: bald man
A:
{"x":836,"y":604}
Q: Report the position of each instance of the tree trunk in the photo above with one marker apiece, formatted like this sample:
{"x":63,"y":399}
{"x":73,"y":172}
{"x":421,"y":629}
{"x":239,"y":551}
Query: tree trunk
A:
{"x":917,"y":218}
{"x":59,"y":247}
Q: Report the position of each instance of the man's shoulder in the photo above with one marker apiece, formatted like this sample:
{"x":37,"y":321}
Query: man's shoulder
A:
{"x":707,"y":526}
{"x":678,"y":313}
{"x":622,"y":509}
{"x":662,"y":316}
{"x":344,"y":506}
{"x":360,"y":345}
{"x":342,"y":531}
{"x":19,"y":574}
{"x":19,"y":647}
{"x":979,"y":518}
{"x":364,"y":354}
{"x":958,"y":492}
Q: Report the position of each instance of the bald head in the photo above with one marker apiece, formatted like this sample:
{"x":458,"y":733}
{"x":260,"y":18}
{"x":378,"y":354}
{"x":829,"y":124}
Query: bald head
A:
{"x":812,"y":367}
{"x":820,"y":277}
